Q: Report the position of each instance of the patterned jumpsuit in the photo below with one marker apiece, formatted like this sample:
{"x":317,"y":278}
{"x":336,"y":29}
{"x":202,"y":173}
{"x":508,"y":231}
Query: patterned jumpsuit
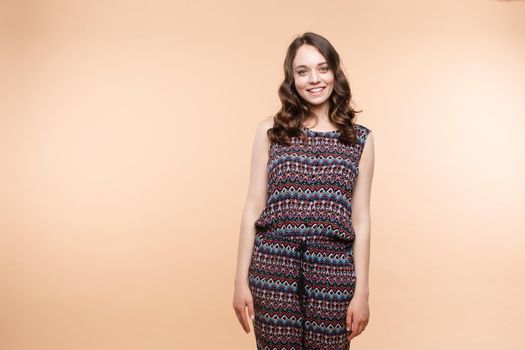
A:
{"x":301,"y":273}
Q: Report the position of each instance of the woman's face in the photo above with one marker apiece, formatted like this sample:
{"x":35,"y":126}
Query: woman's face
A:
{"x":314,"y":80}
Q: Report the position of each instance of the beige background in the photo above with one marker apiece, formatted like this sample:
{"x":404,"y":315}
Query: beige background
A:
{"x":125,"y":135}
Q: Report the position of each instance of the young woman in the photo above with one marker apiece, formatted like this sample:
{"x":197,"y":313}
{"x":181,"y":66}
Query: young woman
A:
{"x":304,"y":246}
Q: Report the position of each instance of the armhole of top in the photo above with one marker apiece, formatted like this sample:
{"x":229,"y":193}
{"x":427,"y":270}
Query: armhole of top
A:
{"x":366,"y":132}
{"x":363,"y":135}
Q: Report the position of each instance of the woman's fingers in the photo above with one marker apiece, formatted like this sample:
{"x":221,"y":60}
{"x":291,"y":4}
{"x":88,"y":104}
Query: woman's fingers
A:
{"x":242,"y":298}
{"x":241,"y":315}
{"x":352,"y":325}
{"x":240,"y":311}
{"x":357,"y":328}
{"x":362,"y":327}
{"x":349,"y":327}
{"x":251,"y":311}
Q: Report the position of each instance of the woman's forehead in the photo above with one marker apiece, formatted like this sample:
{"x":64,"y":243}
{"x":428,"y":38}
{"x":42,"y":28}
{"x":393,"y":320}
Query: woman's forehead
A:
{"x":308,"y":57}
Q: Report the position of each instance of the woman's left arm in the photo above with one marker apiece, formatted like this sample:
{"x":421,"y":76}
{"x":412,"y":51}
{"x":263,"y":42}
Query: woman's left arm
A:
{"x":358,"y":314}
{"x":361,"y":217}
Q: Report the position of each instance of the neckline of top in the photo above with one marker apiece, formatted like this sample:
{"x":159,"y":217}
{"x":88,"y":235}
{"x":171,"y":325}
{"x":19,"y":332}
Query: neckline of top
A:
{"x":321,"y":132}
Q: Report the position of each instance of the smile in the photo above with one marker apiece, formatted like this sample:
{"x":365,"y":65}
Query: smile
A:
{"x":316,"y":91}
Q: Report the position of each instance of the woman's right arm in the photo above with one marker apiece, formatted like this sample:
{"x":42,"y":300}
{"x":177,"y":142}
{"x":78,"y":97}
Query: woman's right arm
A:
{"x":253,"y":207}
{"x":255,"y":199}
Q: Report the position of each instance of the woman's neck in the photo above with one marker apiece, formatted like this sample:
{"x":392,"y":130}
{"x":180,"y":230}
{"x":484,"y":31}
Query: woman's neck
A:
{"x":321,"y":112}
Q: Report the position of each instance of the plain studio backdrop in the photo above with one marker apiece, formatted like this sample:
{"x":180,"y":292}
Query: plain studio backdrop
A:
{"x":125,"y":137}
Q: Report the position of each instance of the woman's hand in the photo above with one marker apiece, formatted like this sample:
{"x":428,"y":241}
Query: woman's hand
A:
{"x":357,"y":316}
{"x":242,"y":297}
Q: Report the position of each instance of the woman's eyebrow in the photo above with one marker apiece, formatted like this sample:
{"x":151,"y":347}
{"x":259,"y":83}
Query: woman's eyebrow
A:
{"x":303,"y":66}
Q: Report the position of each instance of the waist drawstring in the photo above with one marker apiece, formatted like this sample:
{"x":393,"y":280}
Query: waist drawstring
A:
{"x":302,"y":249}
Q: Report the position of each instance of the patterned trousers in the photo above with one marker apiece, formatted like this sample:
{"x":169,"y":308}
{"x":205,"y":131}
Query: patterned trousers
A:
{"x":301,"y":287}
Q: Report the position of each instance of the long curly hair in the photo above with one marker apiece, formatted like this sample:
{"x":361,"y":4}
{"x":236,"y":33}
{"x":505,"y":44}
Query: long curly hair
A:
{"x":294,"y":111}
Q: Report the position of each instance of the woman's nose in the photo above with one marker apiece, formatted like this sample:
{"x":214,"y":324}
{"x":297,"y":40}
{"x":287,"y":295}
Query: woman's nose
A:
{"x":314,"y":77}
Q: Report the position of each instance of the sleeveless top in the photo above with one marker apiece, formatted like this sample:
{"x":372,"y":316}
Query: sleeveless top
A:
{"x":310,"y":186}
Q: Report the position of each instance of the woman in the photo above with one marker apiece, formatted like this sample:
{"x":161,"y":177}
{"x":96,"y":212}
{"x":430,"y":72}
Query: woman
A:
{"x":304,"y":246}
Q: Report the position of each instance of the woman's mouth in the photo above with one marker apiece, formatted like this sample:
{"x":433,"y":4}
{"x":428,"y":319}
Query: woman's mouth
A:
{"x":316,"y":91}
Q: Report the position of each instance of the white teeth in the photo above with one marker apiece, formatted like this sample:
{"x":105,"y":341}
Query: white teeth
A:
{"x":315,"y":90}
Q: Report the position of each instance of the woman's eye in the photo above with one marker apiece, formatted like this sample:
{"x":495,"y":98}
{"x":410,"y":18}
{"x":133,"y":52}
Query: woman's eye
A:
{"x":324,"y":69}
{"x":301,"y":71}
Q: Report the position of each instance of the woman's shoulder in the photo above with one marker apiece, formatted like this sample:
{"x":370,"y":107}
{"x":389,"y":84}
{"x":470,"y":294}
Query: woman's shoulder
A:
{"x":267,"y":123}
{"x":261,"y":132}
{"x":264,"y":125}
{"x":362,"y":132}
{"x":362,"y":128}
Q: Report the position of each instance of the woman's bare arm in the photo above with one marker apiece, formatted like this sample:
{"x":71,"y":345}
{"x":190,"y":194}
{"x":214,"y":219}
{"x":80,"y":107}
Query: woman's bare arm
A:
{"x":255,"y":199}
{"x":361,"y":217}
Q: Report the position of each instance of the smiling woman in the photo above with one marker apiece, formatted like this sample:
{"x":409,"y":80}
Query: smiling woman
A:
{"x":315,"y":91}
{"x":313,"y":77}
{"x":296,"y":270}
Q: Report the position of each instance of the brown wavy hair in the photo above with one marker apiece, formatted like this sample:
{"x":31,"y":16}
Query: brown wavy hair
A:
{"x":294,"y":111}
